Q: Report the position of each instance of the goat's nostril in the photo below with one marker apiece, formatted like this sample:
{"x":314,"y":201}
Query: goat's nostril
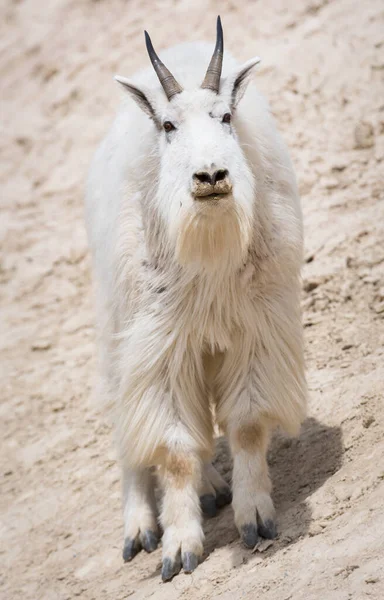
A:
{"x":219,"y":175}
{"x":203,"y":177}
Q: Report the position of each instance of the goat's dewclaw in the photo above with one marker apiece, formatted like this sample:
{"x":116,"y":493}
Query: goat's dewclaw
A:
{"x":194,"y":222}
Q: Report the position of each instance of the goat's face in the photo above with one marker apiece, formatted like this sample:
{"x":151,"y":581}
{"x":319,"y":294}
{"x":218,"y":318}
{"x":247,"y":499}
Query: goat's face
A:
{"x":205,"y":188}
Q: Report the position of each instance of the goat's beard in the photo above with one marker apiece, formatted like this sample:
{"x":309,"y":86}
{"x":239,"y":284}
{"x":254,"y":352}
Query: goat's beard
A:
{"x":213,"y":237}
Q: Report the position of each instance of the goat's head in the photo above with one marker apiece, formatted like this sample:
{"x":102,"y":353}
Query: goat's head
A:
{"x":205,"y":192}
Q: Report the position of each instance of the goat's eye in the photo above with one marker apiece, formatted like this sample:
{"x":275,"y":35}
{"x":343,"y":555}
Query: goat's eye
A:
{"x":168,"y":126}
{"x":227,"y":118}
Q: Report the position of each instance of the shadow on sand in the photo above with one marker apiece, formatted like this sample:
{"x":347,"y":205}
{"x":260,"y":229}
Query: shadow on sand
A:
{"x":298,"y":468}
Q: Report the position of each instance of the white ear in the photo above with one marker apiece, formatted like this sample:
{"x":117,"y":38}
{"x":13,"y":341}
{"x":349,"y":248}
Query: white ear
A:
{"x":236,"y":83}
{"x":139,"y":96}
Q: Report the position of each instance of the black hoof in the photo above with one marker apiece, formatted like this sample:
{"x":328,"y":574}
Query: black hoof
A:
{"x":249,"y":535}
{"x":190,"y":562}
{"x":268,"y":530}
{"x":149,"y":540}
{"x":208,"y":505}
{"x":170,"y":569}
{"x":131,"y":548}
{"x":224,"y":496}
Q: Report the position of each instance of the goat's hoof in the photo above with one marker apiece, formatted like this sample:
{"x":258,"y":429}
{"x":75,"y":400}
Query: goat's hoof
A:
{"x":208,"y":505}
{"x":223,"y":497}
{"x":268,"y":529}
{"x":249,"y":535}
{"x":170,"y":568}
{"x":149,"y":540}
{"x":190,"y":562}
{"x":131,"y":547}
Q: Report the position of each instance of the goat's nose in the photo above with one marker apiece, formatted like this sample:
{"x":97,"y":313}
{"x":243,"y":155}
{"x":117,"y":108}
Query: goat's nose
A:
{"x":219,"y":175}
{"x":211,"y":178}
{"x":211,"y":183}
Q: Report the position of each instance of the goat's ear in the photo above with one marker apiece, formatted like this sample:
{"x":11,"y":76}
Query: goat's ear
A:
{"x":236,"y":83}
{"x":139,"y":96}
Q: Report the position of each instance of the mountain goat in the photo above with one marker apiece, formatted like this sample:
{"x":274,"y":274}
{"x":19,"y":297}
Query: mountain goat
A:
{"x":195,"y":228}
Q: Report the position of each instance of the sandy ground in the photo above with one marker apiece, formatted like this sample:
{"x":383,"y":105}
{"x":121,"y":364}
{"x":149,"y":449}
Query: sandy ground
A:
{"x":61,"y":525}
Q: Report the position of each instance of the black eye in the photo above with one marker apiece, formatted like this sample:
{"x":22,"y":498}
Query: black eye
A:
{"x":168,"y":126}
{"x":227,"y":118}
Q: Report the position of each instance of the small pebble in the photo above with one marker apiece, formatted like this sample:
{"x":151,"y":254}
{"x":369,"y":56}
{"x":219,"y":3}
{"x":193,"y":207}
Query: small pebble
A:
{"x":309,"y":286}
{"x":364,"y":136}
{"x":41,"y":345}
{"x":262,"y":546}
{"x":368,"y":421}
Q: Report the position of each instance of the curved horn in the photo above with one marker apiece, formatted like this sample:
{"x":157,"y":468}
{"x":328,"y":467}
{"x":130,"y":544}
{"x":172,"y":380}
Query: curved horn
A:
{"x":167,"y":80}
{"x":213,"y":74}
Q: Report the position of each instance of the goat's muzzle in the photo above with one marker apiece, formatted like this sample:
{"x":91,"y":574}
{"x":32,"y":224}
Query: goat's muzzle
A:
{"x":211,"y":185}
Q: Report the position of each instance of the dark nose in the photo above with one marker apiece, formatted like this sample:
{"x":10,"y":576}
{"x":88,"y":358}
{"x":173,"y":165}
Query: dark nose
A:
{"x":211,"y":179}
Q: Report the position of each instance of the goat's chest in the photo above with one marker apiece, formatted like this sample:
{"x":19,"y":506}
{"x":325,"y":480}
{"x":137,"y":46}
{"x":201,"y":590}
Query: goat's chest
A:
{"x":220,"y":308}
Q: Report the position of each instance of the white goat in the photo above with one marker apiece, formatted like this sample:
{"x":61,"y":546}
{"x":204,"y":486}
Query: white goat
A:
{"x":195,"y":227}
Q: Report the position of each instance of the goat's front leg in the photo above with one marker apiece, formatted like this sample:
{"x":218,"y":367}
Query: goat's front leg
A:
{"x":140,"y":523}
{"x":252,"y":503}
{"x":180,"y":517}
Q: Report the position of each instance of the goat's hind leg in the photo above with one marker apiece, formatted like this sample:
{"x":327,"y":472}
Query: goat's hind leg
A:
{"x":140,"y":522}
{"x":215,"y":492}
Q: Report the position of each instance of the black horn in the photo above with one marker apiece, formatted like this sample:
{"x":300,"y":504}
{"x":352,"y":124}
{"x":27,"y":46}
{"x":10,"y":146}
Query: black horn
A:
{"x":213,"y":74}
{"x":167,"y":80}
